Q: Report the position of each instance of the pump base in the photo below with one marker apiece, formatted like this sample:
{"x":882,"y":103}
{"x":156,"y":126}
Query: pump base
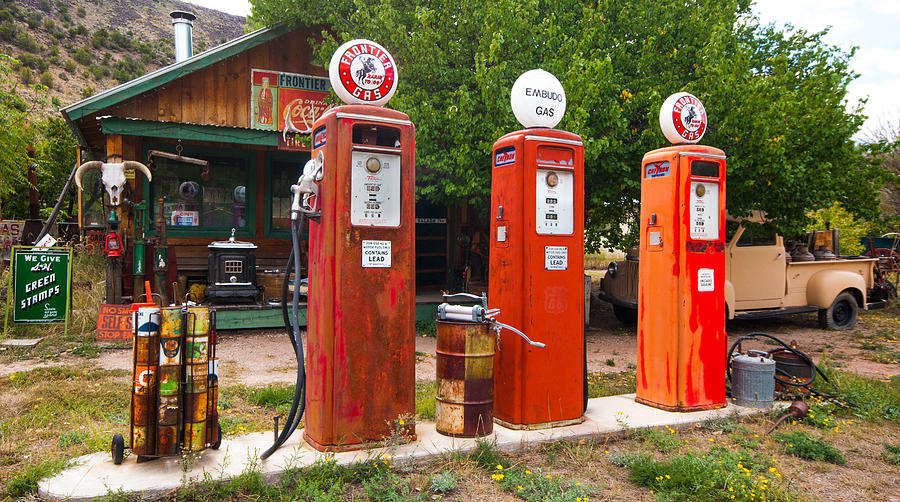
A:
{"x":395,"y":441}
{"x":667,"y":407}
{"x":540,"y":426}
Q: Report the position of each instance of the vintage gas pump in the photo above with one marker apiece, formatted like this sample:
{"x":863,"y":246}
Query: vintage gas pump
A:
{"x":361,"y":345}
{"x":537,"y":261}
{"x":681,"y":302}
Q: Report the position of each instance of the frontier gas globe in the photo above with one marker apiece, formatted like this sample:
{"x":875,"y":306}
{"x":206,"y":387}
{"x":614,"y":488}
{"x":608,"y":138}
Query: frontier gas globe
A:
{"x":682,"y":118}
{"x":362,"y":72}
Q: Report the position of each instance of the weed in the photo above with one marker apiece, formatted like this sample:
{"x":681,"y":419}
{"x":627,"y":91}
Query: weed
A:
{"x":87,"y":350}
{"x":25,"y":481}
{"x":801,"y":444}
{"x":821,"y":416}
{"x":724,"y":424}
{"x":427,"y":327}
{"x":444,"y":482}
{"x":662,"y":440}
{"x":610,"y":362}
{"x":718,"y":475}
{"x":486,"y":455}
{"x":537,"y":486}
{"x":69,"y":438}
{"x":611,"y":384}
{"x":891,"y":454}
{"x":864,"y":397}
{"x":425,"y":400}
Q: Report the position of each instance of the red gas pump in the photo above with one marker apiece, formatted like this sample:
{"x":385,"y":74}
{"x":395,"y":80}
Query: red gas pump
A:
{"x":681,"y":301}
{"x":537,"y":261}
{"x":361,"y":345}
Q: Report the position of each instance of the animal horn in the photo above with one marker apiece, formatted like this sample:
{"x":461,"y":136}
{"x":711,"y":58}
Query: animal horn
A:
{"x":133,"y":164}
{"x":94,"y":164}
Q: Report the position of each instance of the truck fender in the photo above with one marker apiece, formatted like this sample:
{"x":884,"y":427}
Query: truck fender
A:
{"x":824,"y":286}
{"x":729,"y":299}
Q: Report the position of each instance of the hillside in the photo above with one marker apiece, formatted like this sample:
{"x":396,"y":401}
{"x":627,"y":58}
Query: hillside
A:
{"x":80,"y":47}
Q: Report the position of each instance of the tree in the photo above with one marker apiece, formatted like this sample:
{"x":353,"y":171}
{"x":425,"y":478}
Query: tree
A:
{"x":776,"y":99}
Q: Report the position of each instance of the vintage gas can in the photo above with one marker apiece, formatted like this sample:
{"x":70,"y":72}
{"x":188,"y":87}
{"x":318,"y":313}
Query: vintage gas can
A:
{"x":465,"y":379}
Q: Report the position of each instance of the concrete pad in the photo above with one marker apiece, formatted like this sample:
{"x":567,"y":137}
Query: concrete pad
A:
{"x":95,"y":475}
{"x":21,"y":342}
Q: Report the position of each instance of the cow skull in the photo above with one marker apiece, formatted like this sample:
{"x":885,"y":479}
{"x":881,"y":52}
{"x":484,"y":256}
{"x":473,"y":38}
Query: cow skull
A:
{"x":112,"y":175}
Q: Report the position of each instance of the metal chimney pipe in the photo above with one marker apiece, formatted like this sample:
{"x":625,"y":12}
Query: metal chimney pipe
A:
{"x":183,"y":23}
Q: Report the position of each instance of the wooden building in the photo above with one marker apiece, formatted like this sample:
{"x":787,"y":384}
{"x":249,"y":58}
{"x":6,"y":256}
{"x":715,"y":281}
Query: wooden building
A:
{"x":228,"y":106}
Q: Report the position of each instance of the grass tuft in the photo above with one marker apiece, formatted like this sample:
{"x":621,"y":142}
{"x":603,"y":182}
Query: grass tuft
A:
{"x":803,"y":445}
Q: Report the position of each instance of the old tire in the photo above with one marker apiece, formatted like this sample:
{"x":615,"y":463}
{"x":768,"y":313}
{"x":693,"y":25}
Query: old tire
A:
{"x":625,"y":315}
{"x":117,"y":449}
{"x":842,"y":313}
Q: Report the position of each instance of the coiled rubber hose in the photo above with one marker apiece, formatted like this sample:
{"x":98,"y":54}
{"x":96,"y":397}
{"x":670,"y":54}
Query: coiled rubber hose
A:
{"x":785,"y":348}
{"x":298,"y":403}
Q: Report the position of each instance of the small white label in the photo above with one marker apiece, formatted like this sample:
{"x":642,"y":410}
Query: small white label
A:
{"x":706,"y":280}
{"x":376,"y":254}
{"x":655,"y":238}
{"x":46,"y":242}
{"x":501,"y":234}
{"x":556,"y":257}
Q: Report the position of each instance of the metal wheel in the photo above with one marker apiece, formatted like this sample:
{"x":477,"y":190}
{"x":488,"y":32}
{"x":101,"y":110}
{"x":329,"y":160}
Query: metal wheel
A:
{"x":218,"y":442}
{"x":842,"y":313}
{"x":117,"y":449}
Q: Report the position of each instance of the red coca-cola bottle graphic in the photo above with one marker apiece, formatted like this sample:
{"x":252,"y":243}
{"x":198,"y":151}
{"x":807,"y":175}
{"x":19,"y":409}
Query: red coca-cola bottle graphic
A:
{"x":265,"y":103}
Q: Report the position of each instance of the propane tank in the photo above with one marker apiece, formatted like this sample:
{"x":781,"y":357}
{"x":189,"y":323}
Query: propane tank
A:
{"x":753,"y":379}
{"x":824,"y":254}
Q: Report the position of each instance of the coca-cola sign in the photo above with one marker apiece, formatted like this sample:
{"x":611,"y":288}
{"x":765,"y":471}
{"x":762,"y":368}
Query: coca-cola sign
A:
{"x":288,"y":102}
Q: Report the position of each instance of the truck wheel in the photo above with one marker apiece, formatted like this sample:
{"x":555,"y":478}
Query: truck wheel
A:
{"x":625,"y":315}
{"x":841,"y":314}
{"x":117,"y":448}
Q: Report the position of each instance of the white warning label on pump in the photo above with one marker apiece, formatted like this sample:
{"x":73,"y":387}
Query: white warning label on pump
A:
{"x":556,"y":257}
{"x":706,"y":279}
{"x":376,"y":254}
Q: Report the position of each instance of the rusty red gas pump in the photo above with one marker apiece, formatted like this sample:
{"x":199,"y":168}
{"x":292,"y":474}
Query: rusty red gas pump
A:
{"x":361,"y":344}
{"x":537,"y":261}
{"x":681,"y":301}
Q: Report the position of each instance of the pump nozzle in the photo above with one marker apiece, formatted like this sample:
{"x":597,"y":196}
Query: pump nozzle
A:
{"x":499,"y":325}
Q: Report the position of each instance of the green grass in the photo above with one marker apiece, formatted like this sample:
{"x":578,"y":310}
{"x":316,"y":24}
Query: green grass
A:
{"x":426,"y":394}
{"x":891,"y":454}
{"x":611,"y":384}
{"x":661,"y":439}
{"x":803,"y":445}
{"x":863,"y":397}
{"x":718,"y":475}
{"x":428,"y":327}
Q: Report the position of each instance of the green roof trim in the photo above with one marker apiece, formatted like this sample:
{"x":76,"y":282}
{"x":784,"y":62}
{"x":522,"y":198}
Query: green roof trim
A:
{"x":192,"y":132}
{"x":169,"y":73}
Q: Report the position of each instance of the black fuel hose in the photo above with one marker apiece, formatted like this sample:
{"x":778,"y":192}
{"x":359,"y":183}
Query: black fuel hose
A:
{"x":786,"y":348}
{"x":298,"y":403}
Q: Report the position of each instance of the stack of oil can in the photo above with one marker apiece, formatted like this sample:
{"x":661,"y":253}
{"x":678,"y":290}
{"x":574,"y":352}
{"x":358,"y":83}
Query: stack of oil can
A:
{"x":175,"y":395}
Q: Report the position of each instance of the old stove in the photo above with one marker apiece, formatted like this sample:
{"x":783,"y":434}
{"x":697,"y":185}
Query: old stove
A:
{"x":232,"y":270}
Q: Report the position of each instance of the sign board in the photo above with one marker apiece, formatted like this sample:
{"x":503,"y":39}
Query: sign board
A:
{"x":556,"y":257}
{"x":363,"y":73}
{"x":114,"y":322}
{"x":10,"y":233}
{"x":289,"y":102}
{"x":41,"y":283}
{"x":376,"y":254}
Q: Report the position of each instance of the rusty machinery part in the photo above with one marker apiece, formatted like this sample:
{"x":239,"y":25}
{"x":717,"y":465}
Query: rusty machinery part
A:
{"x":781,"y":376}
{"x":477,"y":313}
{"x":797,"y":409}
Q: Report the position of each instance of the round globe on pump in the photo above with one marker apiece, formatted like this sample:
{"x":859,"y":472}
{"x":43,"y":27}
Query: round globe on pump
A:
{"x":538,"y":99}
{"x":682,"y":118}
{"x":362,"y":72}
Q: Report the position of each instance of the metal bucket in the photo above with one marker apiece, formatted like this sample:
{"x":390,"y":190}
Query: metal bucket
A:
{"x":753,"y":381}
{"x":465,"y":379}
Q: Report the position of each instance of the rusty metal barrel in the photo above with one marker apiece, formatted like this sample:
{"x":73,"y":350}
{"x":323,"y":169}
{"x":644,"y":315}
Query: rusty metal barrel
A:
{"x":465,"y":379}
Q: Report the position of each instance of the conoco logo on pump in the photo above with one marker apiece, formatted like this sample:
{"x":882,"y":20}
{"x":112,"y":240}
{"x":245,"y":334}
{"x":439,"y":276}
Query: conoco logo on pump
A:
{"x":362,"y":72}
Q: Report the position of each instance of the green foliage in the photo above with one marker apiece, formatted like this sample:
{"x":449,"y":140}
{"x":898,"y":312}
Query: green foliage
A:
{"x":69,"y":66}
{"x":662,"y":439}
{"x":891,"y":454}
{"x":100,"y":38}
{"x":127,"y":69}
{"x":426,"y":395}
{"x":25,"y":482}
{"x":26,"y":42}
{"x":775,"y":98}
{"x":486,"y":454}
{"x":803,"y":445}
{"x":863,"y":397}
{"x":83,"y":56}
{"x":70,"y":438}
{"x":720,"y":475}
{"x":611,"y":384}
{"x":26,"y":75}
{"x":444,"y":482}
{"x":87,"y":92}
{"x":46,"y":79}
{"x":80,"y":12}
{"x":427,"y":327}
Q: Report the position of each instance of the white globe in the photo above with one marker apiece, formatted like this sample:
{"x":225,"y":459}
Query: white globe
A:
{"x":363,"y":72}
{"x":682,"y":118}
{"x":538,"y":99}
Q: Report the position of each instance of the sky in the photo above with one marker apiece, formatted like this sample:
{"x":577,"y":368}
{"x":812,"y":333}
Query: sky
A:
{"x":869,"y":25}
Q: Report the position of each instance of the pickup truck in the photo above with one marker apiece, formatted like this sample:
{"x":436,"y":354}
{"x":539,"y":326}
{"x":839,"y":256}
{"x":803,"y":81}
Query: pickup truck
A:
{"x":760,"y":282}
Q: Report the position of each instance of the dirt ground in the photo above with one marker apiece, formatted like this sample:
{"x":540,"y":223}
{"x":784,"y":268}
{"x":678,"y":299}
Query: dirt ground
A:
{"x":260,"y":357}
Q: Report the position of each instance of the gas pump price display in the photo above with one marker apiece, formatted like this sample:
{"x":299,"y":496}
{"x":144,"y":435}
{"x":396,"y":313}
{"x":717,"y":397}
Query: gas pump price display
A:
{"x":704,"y":210}
{"x":375,"y":185}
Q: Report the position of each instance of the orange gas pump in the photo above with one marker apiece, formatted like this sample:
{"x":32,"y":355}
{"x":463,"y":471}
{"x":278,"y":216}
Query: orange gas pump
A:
{"x":681,"y":300}
{"x":537,"y":261}
{"x":361,"y":344}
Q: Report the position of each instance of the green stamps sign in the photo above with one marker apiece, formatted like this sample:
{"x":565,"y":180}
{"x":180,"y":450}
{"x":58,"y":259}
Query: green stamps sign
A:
{"x":41,"y":284}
